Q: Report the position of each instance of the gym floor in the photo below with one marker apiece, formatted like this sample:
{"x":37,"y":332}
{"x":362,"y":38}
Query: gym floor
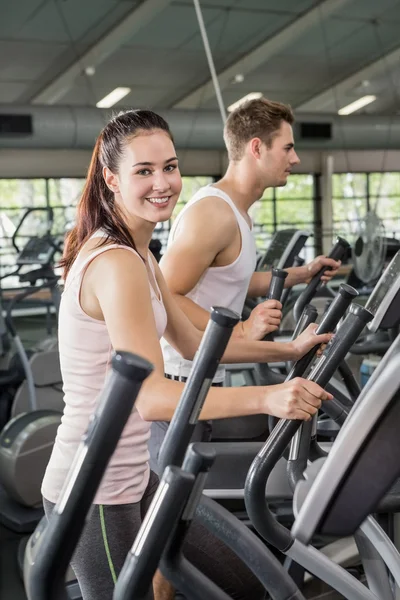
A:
{"x":11,"y":586}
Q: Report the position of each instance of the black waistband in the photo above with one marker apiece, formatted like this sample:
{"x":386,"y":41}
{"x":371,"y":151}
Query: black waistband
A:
{"x":184,"y":379}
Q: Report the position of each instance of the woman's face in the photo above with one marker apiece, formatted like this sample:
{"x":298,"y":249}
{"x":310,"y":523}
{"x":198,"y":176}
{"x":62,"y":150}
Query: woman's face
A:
{"x":148,"y":182}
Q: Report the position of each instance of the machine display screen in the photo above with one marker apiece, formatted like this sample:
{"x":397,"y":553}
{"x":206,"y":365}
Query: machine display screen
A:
{"x":276,"y":250}
{"x":386,"y":290}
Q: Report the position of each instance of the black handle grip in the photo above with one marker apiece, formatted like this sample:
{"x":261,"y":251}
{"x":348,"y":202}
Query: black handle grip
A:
{"x":254,"y":491}
{"x":57,"y":543}
{"x":199,"y":458}
{"x":309,"y":316}
{"x":338,"y":251}
{"x":336,"y":350}
{"x":277,"y":284}
{"x":298,"y":262}
{"x":211,"y":350}
{"x":275,"y":292}
{"x":262,"y":466}
{"x":299,"y":454}
{"x":142,"y":560}
{"x":328,"y":324}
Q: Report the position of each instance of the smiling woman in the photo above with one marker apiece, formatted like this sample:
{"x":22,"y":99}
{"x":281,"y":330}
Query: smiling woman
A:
{"x":134,"y":165}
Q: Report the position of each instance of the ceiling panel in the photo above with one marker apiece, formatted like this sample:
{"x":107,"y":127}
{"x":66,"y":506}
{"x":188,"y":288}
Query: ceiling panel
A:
{"x":58,"y":22}
{"x":173,"y":27}
{"x":232,"y":32}
{"x":371,"y":9}
{"x":392,"y":14}
{"x":24,"y":60}
{"x":235,"y":33}
{"x":15,"y":14}
{"x":259,"y":5}
{"x":165,"y":60}
{"x":10,"y":91}
{"x":144,"y":66}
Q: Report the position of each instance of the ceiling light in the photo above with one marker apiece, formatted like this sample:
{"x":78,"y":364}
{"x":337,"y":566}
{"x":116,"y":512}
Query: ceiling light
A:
{"x":90,"y":71}
{"x":113,"y":97}
{"x":251,"y":96}
{"x":350,"y":108}
{"x":239,"y":78}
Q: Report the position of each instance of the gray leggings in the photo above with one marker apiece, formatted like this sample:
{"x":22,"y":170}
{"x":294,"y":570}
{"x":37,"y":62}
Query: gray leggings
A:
{"x":109,"y":535}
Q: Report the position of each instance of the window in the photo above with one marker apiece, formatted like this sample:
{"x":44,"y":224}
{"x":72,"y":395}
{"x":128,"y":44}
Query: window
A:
{"x":354,"y":194}
{"x":287,"y":207}
{"x":384,"y":198}
{"x":18,"y":196}
{"x":63,"y":197}
{"x":349,"y":203}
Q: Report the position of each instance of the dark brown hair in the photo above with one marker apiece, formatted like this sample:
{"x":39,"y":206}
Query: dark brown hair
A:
{"x":96,"y":208}
{"x":260,"y":118}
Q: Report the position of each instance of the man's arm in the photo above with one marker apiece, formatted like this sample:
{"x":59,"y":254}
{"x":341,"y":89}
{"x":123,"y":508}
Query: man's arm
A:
{"x":260,"y":281}
{"x":204,"y":231}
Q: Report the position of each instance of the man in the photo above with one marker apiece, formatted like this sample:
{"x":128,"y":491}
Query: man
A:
{"x":211,"y":254}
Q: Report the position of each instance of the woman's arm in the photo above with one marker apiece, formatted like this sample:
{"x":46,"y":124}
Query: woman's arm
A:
{"x":117,"y":281}
{"x":185,"y":338}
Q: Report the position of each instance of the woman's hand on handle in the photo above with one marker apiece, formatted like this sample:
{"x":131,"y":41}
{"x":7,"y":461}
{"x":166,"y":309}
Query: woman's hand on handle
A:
{"x":308,"y":339}
{"x":297,"y":399}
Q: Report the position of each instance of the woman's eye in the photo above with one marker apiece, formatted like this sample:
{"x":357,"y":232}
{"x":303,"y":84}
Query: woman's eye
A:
{"x":170,"y":168}
{"x":144,"y":172}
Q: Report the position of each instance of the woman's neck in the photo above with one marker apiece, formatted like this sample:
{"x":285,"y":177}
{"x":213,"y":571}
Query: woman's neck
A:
{"x":141,"y":233}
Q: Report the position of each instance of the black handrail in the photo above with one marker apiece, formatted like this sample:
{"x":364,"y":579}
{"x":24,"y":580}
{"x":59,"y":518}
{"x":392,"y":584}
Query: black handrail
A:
{"x":262,"y":466}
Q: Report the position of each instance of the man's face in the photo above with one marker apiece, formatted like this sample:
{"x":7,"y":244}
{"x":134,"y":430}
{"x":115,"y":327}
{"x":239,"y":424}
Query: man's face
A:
{"x":278,"y":161}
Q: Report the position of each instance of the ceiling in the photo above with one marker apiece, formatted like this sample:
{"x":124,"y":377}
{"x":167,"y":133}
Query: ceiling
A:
{"x":315,"y":55}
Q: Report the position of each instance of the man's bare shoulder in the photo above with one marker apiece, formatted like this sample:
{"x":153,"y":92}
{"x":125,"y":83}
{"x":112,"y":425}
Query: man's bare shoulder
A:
{"x":212,"y":214}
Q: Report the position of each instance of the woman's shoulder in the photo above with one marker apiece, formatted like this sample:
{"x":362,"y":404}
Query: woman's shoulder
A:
{"x":101,"y":245}
{"x":109,"y":260}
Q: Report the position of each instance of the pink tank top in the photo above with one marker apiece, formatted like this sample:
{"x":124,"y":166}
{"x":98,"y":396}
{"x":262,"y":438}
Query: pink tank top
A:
{"x":85,"y":354}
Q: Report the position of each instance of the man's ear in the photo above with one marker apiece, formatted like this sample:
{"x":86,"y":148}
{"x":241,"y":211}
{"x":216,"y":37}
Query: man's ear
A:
{"x":255,"y":145}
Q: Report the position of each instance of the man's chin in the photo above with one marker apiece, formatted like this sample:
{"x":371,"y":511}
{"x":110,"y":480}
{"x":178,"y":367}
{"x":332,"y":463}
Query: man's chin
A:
{"x":282,"y":182}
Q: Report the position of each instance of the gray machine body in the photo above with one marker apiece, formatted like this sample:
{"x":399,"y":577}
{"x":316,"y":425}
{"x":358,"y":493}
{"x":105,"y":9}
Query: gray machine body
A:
{"x":315,"y":498}
{"x":314,"y":495}
{"x":26,"y":443}
{"x":27,"y":440}
{"x":384,"y":301}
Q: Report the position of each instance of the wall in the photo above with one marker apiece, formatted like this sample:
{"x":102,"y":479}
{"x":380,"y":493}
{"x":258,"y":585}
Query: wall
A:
{"x":73,"y":163}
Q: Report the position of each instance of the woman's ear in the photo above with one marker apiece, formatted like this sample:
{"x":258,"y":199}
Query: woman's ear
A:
{"x":111,"y":180}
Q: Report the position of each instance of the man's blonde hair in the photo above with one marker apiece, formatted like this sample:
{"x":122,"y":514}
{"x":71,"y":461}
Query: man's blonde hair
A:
{"x":260,"y":118}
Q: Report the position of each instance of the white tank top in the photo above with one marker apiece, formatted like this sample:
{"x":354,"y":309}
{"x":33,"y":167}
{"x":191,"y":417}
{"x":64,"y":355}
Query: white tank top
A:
{"x":85,"y":354}
{"x":219,"y":286}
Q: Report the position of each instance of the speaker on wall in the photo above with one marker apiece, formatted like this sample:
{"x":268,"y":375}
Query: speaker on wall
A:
{"x":316,"y":131}
{"x":15,"y":125}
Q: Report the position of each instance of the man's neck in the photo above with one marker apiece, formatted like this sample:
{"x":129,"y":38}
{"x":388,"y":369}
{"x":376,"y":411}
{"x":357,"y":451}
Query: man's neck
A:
{"x":243,"y":189}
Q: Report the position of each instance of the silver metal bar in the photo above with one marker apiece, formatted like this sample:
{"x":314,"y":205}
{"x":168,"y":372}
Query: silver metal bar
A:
{"x":338,"y":578}
{"x":210,"y":60}
{"x":383,"y":545}
{"x":374,"y":567}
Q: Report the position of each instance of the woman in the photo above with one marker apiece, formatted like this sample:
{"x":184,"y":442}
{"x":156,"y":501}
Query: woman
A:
{"x":115,"y":297}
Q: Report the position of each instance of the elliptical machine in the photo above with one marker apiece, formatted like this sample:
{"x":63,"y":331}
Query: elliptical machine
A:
{"x":31,"y":393}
